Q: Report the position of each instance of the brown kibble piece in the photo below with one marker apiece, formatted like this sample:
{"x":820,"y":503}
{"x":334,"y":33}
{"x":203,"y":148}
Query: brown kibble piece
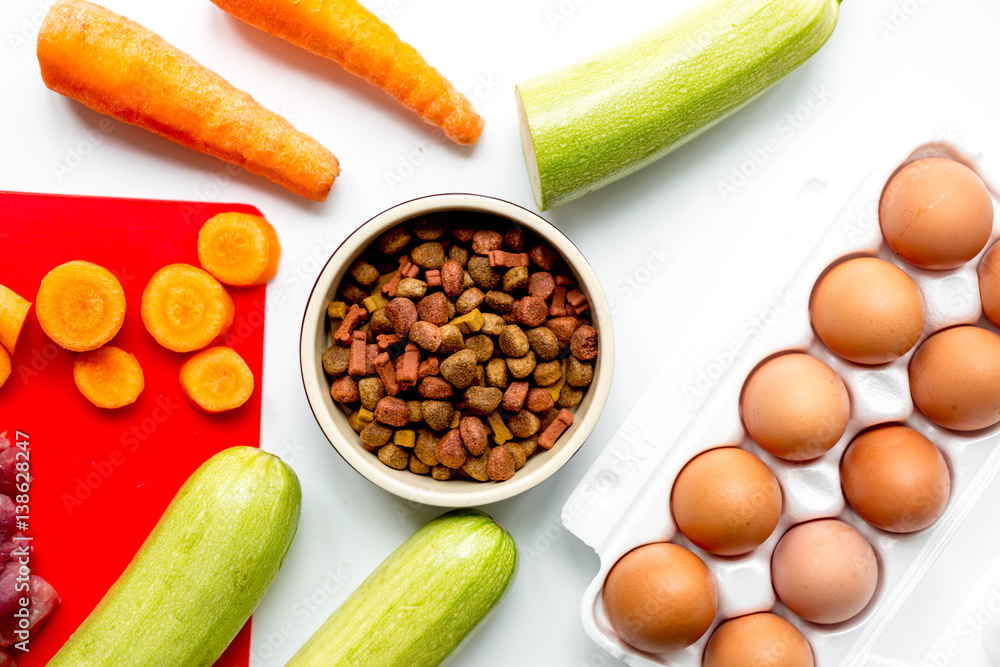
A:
{"x":538,"y":400}
{"x":351,"y":293}
{"x":514,"y":239}
{"x":570,"y":396}
{"x":482,"y":400}
{"x":513,"y":342}
{"x":459,"y":254}
{"x":459,"y":368}
{"x":552,"y":432}
{"x":363,"y":273}
{"x":355,"y":316}
{"x":395,"y":240}
{"x":435,"y":388}
{"x":563,"y":328}
{"x":529,"y":446}
{"x":484,"y":275}
{"x":463,"y":230}
{"x":543,"y":342}
{"x":485,"y":240}
{"x":416,"y":413}
{"x":517,"y":452}
{"x":371,"y":391}
{"x":481,"y":346}
{"x":547,"y":373}
{"x":522,"y":367}
{"x":354,"y":420}
{"x":469,"y":300}
{"x":496,"y":373}
{"x":523,"y":424}
{"x":451,"y":278}
{"x":429,"y":227}
{"x":424,"y":448}
{"x":501,"y":302}
{"x":433,"y":308}
{"x":543,"y":256}
{"x":475,"y":435}
{"x":548,"y":417}
{"x":437,"y":414}
{"x":371,"y":352}
{"x":428,"y":255}
{"x":583,"y":343}
{"x":515,"y":279}
{"x":531,"y":311}
{"x":477,"y":467}
{"x":452,"y":339}
{"x":541,"y":284}
{"x":451,"y":451}
{"x":380,"y":323}
{"x":578,"y":373}
{"x":426,"y":335}
{"x":336,"y":360}
{"x":375,"y":435}
{"x":480,"y":379}
{"x":493,"y":324}
{"x":515,"y":396}
{"x":441,"y":473}
{"x":418,"y":467}
{"x":402,"y":313}
{"x":345,"y":390}
{"x":501,"y":464}
{"x":392,"y":411}
{"x":411,"y":288}
{"x":394,"y":456}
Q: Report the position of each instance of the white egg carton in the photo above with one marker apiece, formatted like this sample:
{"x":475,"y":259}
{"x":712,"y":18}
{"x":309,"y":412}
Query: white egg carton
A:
{"x":624,"y":499}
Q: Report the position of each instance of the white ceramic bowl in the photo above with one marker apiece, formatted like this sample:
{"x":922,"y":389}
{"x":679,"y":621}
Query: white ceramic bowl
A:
{"x":315,"y":339}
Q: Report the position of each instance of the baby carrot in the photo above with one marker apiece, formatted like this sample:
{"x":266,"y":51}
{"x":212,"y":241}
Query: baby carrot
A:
{"x":239,"y":248}
{"x":185,"y":309}
{"x":121,"y":69}
{"x":13,"y":311}
{"x":344,"y":31}
{"x":80,"y":306}
{"x":108,"y":377}
{"x":217,"y":379}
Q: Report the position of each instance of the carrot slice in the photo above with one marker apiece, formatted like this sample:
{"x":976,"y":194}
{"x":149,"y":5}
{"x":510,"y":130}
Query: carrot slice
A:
{"x":185,"y":309}
{"x":13,"y":312}
{"x":80,"y":305}
{"x":108,"y":377}
{"x":217,"y":379}
{"x":365,"y":46}
{"x":119,"y":68}
{"x":239,"y":248}
{"x":4,"y":365}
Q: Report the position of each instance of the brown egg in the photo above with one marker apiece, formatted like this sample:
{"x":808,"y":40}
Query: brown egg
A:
{"x":867,"y":311}
{"x":660,"y":597}
{"x":989,"y":284}
{"x":955,"y":378}
{"x":726,"y":501}
{"x":825,"y":571}
{"x":895,"y":479}
{"x":795,"y":406}
{"x":757,"y":640}
{"x":936,"y":213}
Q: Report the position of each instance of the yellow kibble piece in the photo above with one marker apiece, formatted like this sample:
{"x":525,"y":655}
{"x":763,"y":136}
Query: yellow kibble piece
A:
{"x":501,"y":433}
{"x":337,"y":310}
{"x":374,"y":302}
{"x":554,"y":389}
{"x":471,"y":322}
{"x":404,"y":438}
{"x":366,"y":416}
{"x":455,"y":419}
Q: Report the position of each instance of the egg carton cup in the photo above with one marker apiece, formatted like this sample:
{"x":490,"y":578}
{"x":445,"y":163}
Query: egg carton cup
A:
{"x":623,"y":501}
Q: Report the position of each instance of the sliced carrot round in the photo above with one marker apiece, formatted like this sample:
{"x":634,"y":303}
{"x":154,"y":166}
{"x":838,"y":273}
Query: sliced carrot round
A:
{"x":239,"y":248}
{"x":13,"y":312}
{"x":217,"y":379}
{"x":108,"y":377}
{"x":185,"y":309}
{"x":4,"y":366}
{"x":80,"y":306}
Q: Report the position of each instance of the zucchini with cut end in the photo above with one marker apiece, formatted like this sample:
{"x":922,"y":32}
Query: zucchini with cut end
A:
{"x":200,"y":573}
{"x":422,"y":601}
{"x":589,"y":124}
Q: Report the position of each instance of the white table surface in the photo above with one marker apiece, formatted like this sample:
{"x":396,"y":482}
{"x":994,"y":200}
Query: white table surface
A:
{"x":681,"y":263}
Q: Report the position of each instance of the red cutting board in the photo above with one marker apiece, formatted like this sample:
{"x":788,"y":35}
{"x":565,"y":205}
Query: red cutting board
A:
{"x":102,"y":478}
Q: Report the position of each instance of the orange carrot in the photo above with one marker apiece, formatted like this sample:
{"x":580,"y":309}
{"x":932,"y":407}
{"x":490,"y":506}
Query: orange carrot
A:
{"x":13,"y":311}
{"x":217,"y":379}
{"x":344,"y":31}
{"x":4,"y":365}
{"x":121,"y":69}
{"x":81,"y":306}
{"x":185,"y":309}
{"x":239,"y":249}
{"x":108,"y":377}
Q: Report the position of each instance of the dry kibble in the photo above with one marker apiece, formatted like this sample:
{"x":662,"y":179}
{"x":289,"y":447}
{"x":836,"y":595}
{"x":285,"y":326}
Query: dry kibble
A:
{"x":547,"y":373}
{"x":583,"y":343}
{"x":482,"y":273}
{"x":570,"y":396}
{"x":417,"y":466}
{"x":515,"y":396}
{"x":351,"y":293}
{"x":517,"y":452}
{"x":426,"y":335}
{"x":469,"y":300}
{"x":363,"y":273}
{"x":496,"y":373}
{"x":529,"y":446}
{"x":437,"y":414}
{"x":513,"y":341}
{"x":425,"y":447}
{"x":436,"y":388}
{"x":481,"y":346}
{"x":402,"y":313}
{"x":452,"y":339}
{"x":485,"y":240}
{"x":459,"y":368}
{"x":474,"y":434}
{"x":514,"y":239}
{"x":477,"y":467}
{"x":433,"y":308}
{"x":375,"y":435}
{"x":482,"y":400}
{"x":380,"y":323}
{"x":336,"y":360}
{"x":516,"y":279}
{"x":531,"y":311}
{"x":452,"y":277}
{"x":441,"y":473}
{"x":411,"y":288}
{"x":523,"y":367}
{"x":501,"y":302}
{"x":345,"y":390}
{"x":395,"y":240}
{"x":541,"y":284}
{"x":501,"y":464}
{"x":451,"y":451}
{"x":523,"y":424}
{"x":459,"y":254}
{"x":480,"y":379}
{"x":429,"y":227}
{"x":467,"y":280}
{"x":428,"y":255}
{"x":355,"y":422}
{"x":538,"y":400}
{"x":493,"y":324}
{"x":543,"y":256}
{"x":563,"y":328}
{"x":543,"y":342}
{"x":548,"y":417}
{"x":371,"y":390}
{"x":394,"y":456}
{"x":392,"y":411}
{"x":578,"y":373}
{"x":416,"y":413}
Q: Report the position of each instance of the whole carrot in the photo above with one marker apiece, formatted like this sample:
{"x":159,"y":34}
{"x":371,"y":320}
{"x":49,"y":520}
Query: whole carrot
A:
{"x":344,"y":31}
{"x":118,"y":67}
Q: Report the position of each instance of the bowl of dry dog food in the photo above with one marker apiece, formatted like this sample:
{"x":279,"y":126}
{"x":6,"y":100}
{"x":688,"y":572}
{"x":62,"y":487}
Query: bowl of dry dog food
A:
{"x":457,"y":350}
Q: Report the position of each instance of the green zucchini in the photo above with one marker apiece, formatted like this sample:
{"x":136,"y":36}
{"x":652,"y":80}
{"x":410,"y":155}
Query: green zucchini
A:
{"x":422,"y":601}
{"x":200,"y":573}
{"x":589,"y":124}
